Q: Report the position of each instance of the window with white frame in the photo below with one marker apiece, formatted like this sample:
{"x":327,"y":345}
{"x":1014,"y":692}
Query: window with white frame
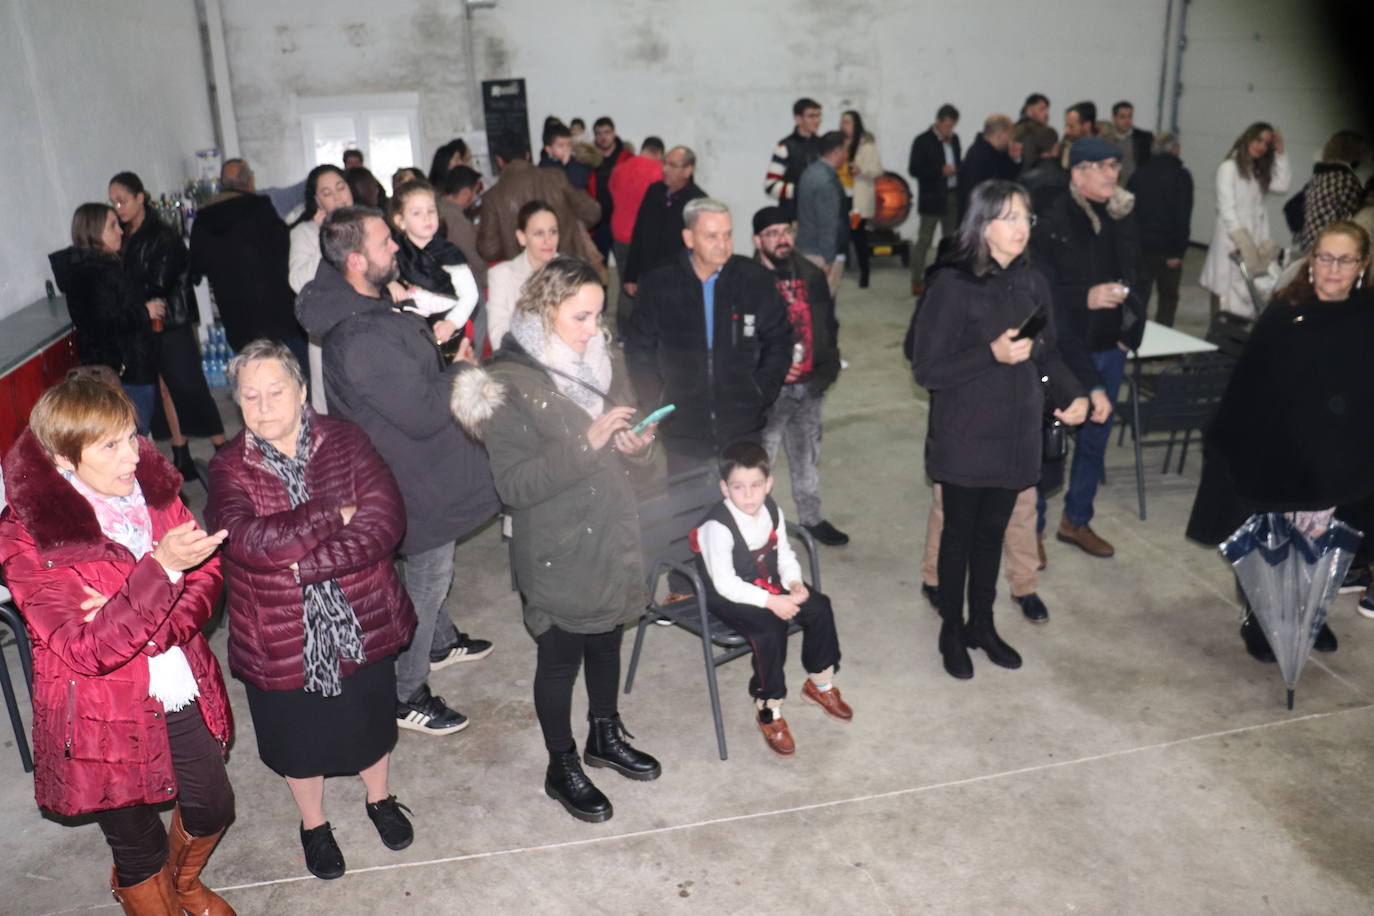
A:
{"x":385,"y":127}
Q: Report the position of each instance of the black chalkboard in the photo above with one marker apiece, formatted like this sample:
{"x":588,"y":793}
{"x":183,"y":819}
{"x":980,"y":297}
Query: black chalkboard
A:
{"x":505,"y":108}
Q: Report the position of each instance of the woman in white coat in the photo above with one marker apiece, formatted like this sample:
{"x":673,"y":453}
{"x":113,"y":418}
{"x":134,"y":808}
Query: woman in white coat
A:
{"x":537,"y":232}
{"x":861,"y":169}
{"x":1255,"y":166}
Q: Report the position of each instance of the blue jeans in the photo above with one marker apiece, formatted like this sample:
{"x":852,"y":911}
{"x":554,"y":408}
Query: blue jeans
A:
{"x":144,"y":398}
{"x":1090,"y":454}
{"x":428,"y":576}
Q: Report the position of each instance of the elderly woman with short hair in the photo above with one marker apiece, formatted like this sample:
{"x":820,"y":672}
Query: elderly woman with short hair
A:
{"x":317,"y":612}
{"x":115,"y":581}
{"x":551,"y":409}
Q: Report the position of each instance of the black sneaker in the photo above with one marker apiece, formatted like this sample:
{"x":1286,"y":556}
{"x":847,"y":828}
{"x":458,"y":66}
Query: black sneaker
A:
{"x":827,"y":534}
{"x":1032,"y":607}
{"x":466,"y":649}
{"x":932,"y":593}
{"x":322,"y":855}
{"x":1356,"y":580}
{"x":1366,"y":605}
{"x":392,"y":826}
{"x":427,"y":714}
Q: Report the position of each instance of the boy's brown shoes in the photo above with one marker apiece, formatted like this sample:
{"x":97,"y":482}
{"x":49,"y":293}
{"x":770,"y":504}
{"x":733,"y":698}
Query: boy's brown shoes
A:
{"x":777,"y":737}
{"x":829,"y":701}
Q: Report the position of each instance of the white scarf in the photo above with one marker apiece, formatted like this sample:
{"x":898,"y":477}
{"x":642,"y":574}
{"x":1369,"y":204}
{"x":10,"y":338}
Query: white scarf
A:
{"x":592,"y":367}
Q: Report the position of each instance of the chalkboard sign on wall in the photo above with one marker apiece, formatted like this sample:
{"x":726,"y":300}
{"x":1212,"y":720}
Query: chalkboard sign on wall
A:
{"x":505,"y":108}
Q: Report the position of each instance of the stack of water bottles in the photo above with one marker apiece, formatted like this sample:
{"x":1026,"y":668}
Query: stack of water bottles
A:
{"x":214,"y":358}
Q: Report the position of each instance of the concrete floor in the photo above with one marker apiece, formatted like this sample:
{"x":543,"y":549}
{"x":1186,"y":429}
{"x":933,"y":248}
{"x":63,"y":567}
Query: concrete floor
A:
{"x":1139,"y":762}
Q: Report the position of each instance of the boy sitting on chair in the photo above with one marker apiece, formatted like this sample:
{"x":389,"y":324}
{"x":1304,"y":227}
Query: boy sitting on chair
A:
{"x":754,"y":584}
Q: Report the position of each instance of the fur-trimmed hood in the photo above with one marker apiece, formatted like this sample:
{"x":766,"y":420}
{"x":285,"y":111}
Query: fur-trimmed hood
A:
{"x":474,"y":398}
{"x":1120,"y":205}
{"x":51,"y":509}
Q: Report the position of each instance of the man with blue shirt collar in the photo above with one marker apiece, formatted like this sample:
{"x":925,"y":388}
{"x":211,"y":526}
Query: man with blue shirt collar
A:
{"x":710,"y":335}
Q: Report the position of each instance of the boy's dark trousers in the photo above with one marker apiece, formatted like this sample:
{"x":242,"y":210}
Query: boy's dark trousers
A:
{"x":767,"y":633}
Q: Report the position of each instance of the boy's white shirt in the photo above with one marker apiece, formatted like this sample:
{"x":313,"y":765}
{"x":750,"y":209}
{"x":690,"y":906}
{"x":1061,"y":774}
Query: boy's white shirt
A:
{"x":717,"y":552}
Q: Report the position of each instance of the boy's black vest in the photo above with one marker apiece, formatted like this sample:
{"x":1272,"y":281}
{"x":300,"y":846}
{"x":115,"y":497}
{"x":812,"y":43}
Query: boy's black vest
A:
{"x":757,"y":567}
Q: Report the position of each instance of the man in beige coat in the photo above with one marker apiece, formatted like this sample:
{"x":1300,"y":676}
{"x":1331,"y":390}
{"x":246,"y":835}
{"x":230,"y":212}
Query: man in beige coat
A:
{"x":522,"y":182}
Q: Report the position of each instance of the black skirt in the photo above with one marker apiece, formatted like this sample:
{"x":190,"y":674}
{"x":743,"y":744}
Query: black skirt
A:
{"x":302,"y":734}
{"x":179,"y":366}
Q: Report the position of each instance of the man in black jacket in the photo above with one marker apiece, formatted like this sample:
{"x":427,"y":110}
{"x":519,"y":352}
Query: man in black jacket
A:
{"x":657,"y":234}
{"x":794,"y":152}
{"x":1135,"y":144}
{"x":1087,"y":243}
{"x":1163,"y":191}
{"x":241,"y":246}
{"x":711,"y":335}
{"x":992,"y":155}
{"x":934,"y":163}
{"x":383,"y":371}
{"x":794,"y":420}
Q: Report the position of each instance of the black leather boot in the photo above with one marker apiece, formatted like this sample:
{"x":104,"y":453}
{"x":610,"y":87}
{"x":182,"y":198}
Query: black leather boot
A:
{"x":566,"y":783}
{"x":181,"y":458}
{"x":1255,"y":642}
{"x":1326,"y":640}
{"x":957,"y":662}
{"x":606,"y":747}
{"x":981,"y":634}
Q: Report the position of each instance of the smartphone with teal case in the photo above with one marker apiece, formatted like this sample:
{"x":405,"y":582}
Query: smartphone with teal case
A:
{"x":653,"y":418}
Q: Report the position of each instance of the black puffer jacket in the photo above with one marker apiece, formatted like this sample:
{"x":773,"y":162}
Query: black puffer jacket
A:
{"x":721,"y":393}
{"x":111,"y":329}
{"x":383,"y":371}
{"x":985,"y":416}
{"x":156,"y":267}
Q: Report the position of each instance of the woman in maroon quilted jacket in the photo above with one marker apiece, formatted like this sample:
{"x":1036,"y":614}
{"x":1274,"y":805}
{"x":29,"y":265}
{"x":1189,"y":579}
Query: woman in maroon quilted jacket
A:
{"x":115,"y":580}
{"x":317,"y":612}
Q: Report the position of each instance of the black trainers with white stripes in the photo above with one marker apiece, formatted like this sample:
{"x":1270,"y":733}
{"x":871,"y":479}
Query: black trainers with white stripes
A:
{"x":466,"y":649}
{"x":426,"y":713}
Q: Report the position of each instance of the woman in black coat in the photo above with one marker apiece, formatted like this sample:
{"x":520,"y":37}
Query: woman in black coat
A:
{"x":111,"y":328}
{"x":1295,"y":429}
{"x":155,"y":270}
{"x":987,"y":401}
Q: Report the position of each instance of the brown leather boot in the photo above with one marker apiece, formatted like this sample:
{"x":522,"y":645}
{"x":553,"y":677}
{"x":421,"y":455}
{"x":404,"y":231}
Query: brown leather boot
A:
{"x":150,"y":897}
{"x":1084,"y":538}
{"x":187,"y":856}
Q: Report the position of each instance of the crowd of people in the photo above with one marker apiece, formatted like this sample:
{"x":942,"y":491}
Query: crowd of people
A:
{"x":412,"y":363}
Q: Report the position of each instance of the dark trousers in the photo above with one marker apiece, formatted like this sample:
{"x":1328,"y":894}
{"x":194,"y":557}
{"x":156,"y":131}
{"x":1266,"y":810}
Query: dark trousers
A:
{"x":1155,"y":272}
{"x":971,"y":548}
{"x":179,"y":366}
{"x":859,"y":236}
{"x":560,"y":655}
{"x":767,"y":634}
{"x":136,"y":835}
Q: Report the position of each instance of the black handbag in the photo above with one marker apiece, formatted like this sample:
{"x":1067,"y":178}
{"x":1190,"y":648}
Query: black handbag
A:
{"x":1054,"y":439}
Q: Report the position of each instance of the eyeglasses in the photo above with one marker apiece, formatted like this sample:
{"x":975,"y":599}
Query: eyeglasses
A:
{"x":1014,"y":218}
{"x":1106,"y":165}
{"x":1342,"y":263}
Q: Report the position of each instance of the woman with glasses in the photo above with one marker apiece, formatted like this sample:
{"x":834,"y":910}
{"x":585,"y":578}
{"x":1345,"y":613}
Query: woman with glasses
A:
{"x":983,"y":343}
{"x":1294,"y":431}
{"x":1256,"y":165}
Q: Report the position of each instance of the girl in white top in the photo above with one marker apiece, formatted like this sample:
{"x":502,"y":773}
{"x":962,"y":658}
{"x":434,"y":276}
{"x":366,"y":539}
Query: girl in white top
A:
{"x":537,"y":232}
{"x":1255,"y":166}
{"x":429,"y":262}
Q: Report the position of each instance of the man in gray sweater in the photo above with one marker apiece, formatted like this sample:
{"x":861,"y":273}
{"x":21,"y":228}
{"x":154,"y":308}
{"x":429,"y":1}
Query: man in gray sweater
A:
{"x":823,"y":211}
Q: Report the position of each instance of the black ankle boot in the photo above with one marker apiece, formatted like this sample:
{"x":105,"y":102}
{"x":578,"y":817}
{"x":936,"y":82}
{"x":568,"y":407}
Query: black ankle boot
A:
{"x":566,"y":783}
{"x":1255,"y":642}
{"x":981,"y":634}
{"x":181,"y":458}
{"x":957,"y":662}
{"x":1326,"y":640}
{"x":606,"y":747}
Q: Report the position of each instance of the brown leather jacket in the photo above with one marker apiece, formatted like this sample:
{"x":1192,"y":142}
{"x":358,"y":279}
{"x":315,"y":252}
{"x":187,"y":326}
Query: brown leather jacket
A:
{"x":522,"y":182}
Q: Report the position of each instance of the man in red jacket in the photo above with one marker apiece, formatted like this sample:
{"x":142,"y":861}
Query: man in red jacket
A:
{"x":630,"y":180}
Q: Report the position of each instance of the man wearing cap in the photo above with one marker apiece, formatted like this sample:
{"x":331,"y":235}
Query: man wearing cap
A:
{"x":1087,"y":244}
{"x":794,"y":420}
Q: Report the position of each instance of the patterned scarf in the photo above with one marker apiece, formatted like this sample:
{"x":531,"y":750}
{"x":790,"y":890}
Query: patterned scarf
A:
{"x":331,"y":628}
{"x":593,"y":367}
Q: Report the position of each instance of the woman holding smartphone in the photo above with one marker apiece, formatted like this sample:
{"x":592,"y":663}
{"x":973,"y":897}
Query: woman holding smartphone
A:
{"x":986,"y":364}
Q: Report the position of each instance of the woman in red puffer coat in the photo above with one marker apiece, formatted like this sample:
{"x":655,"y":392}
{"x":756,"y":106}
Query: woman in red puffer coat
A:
{"x":115,"y":581}
{"x":317,"y":612}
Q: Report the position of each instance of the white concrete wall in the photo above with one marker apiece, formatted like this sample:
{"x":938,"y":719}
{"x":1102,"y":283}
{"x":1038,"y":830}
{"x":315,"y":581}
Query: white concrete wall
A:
{"x":717,"y":75}
{"x":1257,"y":60}
{"x":90,"y":89}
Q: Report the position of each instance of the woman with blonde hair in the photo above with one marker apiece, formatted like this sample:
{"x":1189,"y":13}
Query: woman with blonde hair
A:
{"x":551,"y":409}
